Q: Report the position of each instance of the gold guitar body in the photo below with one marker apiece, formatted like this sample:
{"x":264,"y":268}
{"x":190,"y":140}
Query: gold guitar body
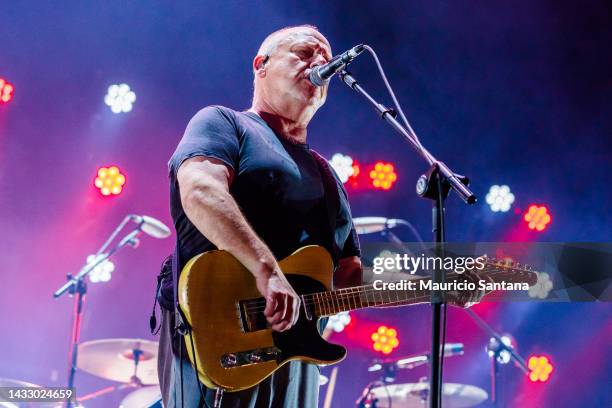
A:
{"x":233,"y":348}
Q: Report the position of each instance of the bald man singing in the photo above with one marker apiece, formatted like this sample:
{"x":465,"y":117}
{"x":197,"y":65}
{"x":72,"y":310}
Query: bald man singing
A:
{"x":248,"y":183}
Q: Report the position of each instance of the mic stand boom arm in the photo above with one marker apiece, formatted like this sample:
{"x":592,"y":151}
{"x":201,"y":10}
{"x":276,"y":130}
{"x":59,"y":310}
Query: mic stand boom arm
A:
{"x":434,"y":185}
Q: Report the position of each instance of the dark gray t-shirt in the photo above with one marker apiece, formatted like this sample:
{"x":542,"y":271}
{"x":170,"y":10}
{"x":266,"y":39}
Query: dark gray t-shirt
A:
{"x":277,"y":185}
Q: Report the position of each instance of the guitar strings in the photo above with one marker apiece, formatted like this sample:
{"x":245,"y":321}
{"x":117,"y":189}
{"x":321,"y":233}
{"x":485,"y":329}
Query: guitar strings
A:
{"x":327,"y":297}
{"x":331,"y":300}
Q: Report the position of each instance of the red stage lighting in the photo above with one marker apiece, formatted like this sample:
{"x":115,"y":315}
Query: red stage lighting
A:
{"x":353,"y":180}
{"x":109,"y":180}
{"x":385,"y":339}
{"x":6,"y":91}
{"x":537,"y":217}
{"x":383,"y":175}
{"x":539,"y":368}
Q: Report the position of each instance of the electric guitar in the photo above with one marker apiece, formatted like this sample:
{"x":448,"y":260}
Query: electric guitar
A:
{"x":229,"y":340}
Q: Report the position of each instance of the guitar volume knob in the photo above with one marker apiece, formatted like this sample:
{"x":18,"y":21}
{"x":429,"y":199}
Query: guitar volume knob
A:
{"x":254,"y":357}
{"x":228,"y":360}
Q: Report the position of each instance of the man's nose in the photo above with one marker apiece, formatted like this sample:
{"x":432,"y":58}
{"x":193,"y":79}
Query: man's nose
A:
{"x":317,"y":60}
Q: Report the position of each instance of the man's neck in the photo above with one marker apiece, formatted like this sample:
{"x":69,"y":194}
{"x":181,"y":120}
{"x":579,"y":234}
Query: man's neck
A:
{"x":292,"y":130}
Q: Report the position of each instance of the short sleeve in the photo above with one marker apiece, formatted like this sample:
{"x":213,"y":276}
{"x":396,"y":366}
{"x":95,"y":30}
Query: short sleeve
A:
{"x":211,"y":133}
{"x":351,"y":245}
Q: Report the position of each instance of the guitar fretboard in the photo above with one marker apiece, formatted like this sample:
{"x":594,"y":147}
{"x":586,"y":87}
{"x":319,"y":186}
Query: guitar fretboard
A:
{"x":329,"y":303}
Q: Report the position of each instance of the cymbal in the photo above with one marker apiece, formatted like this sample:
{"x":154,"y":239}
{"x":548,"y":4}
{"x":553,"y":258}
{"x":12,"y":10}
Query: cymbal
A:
{"x":9,"y":382}
{"x":413,"y":395}
{"x":142,"y":397}
{"x":115,"y":359}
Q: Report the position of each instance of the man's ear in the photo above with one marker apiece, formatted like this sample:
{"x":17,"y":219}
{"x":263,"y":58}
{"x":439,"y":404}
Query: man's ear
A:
{"x":259,"y":63}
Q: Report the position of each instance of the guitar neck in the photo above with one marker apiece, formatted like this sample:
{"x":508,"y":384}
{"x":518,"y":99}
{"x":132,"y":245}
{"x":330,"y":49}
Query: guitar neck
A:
{"x":342,"y":300}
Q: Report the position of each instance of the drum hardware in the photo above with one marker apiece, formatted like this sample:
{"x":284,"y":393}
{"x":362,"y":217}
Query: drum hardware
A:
{"x":11,"y":383}
{"x":142,"y":397}
{"x":131,"y":362}
{"x":388,"y":371}
{"x":500,"y":351}
{"x":416,"y":395}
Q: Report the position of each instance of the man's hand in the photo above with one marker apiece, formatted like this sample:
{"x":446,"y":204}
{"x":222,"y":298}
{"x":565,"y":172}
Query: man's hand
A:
{"x":282,"y":303}
{"x":467,"y":298}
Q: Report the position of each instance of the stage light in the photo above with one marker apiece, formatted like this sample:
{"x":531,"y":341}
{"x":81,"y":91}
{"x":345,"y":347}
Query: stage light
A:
{"x":537,"y":217}
{"x":120,"y":98}
{"x":343,"y":165}
{"x":339,"y":321}
{"x":353,"y":180}
{"x":383,"y":175}
{"x":109,"y":180}
{"x":499,"y":198}
{"x":503,"y":356}
{"x":540,"y":368}
{"x":542,"y":287}
{"x":385,"y":339}
{"x":6,"y":91}
{"x":102,"y":272}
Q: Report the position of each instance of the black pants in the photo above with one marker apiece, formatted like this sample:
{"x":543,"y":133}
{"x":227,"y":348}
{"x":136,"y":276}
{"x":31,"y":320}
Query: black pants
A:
{"x":295,"y":385}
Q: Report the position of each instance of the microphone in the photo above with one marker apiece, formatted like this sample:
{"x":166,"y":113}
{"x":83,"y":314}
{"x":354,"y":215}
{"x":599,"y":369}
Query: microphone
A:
{"x":320,"y":74}
{"x":370,"y":225}
{"x":151,"y":226}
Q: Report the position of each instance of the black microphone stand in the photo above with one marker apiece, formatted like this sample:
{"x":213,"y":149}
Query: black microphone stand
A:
{"x":434,"y":185}
{"x":76,"y":285}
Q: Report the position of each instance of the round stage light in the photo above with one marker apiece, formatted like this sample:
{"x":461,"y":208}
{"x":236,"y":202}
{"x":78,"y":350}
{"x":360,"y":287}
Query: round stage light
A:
{"x":109,"y":180}
{"x":339,"y":321}
{"x":499,"y":198}
{"x":385,"y":339}
{"x":537,"y":217}
{"x":503,"y":355}
{"x":343,"y":165}
{"x":120,"y":98}
{"x":542,"y":287}
{"x":540,"y":368}
{"x":102,"y":272}
{"x":383,"y":175}
{"x":6,"y":91}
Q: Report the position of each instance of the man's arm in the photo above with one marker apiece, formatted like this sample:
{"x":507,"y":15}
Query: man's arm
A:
{"x":204,"y":186}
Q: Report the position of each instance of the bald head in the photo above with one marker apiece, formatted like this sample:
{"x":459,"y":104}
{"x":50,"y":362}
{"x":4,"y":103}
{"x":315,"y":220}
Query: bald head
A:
{"x":281,"y":69}
{"x":272,"y":41}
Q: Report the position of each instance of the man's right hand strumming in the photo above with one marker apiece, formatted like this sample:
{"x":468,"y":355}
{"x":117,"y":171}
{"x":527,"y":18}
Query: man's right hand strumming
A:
{"x":282,"y":303}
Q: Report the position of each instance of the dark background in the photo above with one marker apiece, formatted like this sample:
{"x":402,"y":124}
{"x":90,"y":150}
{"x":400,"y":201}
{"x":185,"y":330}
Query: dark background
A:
{"x":513,"y":93}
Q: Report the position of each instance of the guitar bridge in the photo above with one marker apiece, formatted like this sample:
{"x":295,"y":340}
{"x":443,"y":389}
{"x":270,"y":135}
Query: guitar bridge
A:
{"x":250,"y":315}
{"x":255,"y":356}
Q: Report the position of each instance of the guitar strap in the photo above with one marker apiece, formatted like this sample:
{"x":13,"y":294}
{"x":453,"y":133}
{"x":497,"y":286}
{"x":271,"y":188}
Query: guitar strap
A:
{"x":332,"y":200}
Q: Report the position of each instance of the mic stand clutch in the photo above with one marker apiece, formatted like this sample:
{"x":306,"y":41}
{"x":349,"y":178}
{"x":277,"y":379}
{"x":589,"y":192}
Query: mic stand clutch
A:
{"x":434,"y":185}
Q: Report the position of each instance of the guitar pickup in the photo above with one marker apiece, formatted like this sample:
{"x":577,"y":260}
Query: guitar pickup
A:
{"x":248,"y":357}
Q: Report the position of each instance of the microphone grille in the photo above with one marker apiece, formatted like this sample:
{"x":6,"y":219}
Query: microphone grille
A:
{"x":315,"y":76}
